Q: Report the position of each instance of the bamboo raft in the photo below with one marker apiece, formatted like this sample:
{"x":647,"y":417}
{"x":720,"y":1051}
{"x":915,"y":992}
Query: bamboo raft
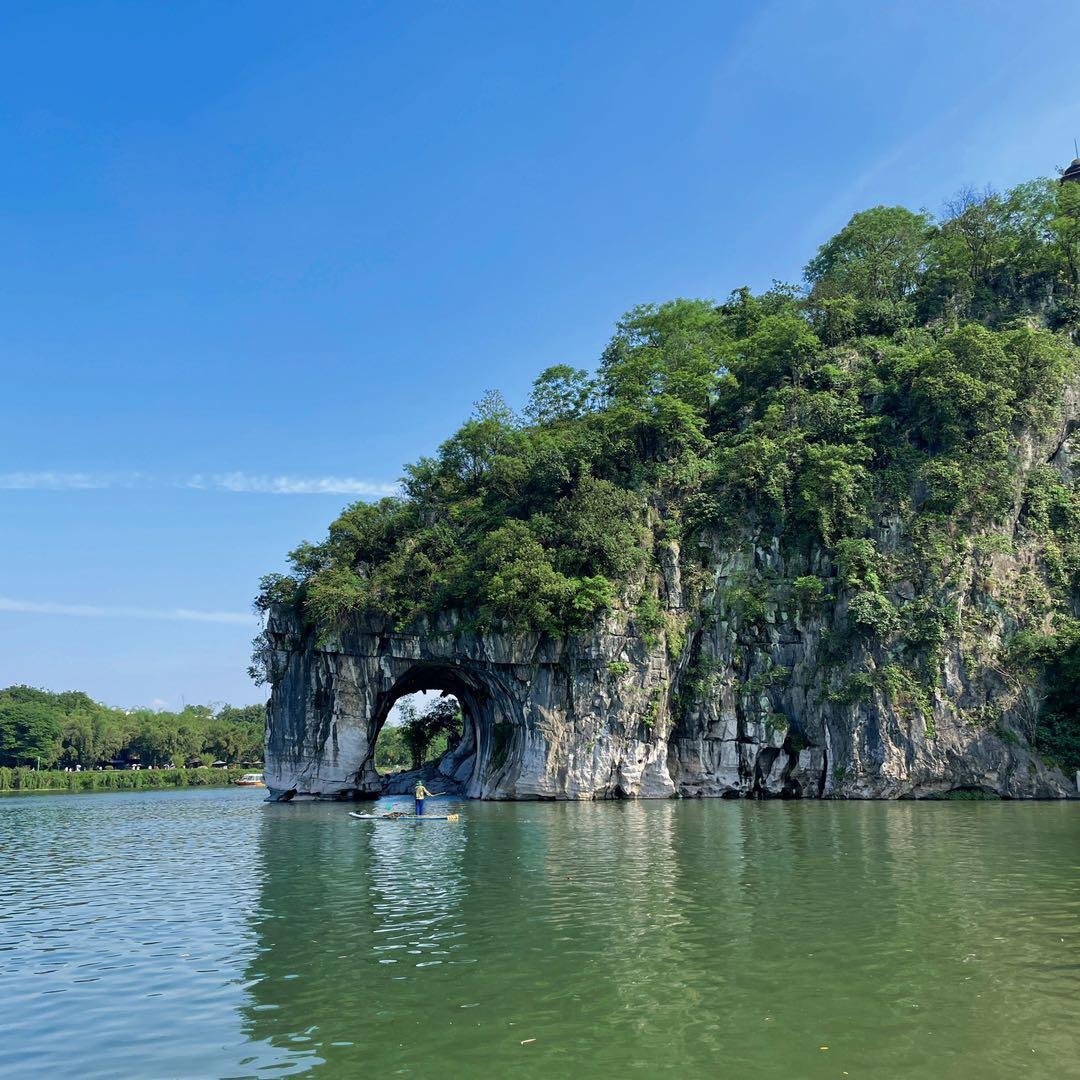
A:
{"x":404,"y":817}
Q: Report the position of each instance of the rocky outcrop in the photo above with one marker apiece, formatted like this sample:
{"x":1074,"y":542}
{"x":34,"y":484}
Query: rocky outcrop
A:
{"x":545,"y":718}
{"x":720,"y":701}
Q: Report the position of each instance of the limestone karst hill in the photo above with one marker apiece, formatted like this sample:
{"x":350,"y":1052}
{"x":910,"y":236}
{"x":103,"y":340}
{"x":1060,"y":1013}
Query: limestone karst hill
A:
{"x":821,"y":541}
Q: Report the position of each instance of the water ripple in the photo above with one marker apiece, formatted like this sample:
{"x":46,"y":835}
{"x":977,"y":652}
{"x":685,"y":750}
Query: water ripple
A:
{"x":205,"y":933}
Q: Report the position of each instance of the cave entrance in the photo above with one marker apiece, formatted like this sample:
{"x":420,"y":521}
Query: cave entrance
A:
{"x":430,"y":728}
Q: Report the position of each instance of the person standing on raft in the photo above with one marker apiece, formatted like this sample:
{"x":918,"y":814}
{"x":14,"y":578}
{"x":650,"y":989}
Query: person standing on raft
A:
{"x":421,"y":793}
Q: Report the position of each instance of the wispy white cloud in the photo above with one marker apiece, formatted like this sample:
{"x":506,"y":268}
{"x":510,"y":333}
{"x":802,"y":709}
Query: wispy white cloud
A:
{"x":65,"y":481}
{"x":234,"y":482}
{"x":290,"y":485}
{"x":97,"y":611}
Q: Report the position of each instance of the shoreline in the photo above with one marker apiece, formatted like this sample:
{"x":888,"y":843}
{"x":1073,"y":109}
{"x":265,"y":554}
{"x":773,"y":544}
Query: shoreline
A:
{"x":46,"y":781}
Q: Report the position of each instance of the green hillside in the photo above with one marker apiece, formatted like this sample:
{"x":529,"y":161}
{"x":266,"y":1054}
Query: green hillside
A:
{"x":904,"y":385}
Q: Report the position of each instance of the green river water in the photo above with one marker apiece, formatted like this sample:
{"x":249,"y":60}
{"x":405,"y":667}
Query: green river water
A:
{"x":205,"y":933}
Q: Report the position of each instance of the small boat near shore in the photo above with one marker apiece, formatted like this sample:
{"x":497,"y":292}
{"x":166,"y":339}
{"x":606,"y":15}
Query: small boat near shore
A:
{"x":251,"y":779}
{"x":405,"y":817}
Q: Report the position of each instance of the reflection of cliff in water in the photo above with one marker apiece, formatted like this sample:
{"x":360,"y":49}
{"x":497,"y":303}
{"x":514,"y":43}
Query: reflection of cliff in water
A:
{"x":344,"y":904}
{"x":387,"y":944}
{"x":677,"y":934}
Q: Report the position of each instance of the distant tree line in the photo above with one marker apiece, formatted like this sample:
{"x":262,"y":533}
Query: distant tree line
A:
{"x":67,"y":730}
{"x":419,"y":737}
{"x":114,"y":779}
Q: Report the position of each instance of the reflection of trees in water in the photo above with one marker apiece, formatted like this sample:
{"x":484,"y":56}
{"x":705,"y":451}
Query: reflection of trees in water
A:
{"x":630,"y":866}
{"x":343,"y":903}
{"x":974,"y":890}
{"x":878,"y":929}
{"x":627,"y":905}
{"x":695,"y":937}
{"x":556,"y":921}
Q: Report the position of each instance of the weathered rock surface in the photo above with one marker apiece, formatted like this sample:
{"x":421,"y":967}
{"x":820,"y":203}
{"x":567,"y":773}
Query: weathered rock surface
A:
{"x":734,"y":710}
{"x":545,"y":718}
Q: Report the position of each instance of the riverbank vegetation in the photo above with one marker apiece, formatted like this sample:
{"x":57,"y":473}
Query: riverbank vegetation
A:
{"x":65,"y":730}
{"x":903,"y":381}
{"x":114,"y":779}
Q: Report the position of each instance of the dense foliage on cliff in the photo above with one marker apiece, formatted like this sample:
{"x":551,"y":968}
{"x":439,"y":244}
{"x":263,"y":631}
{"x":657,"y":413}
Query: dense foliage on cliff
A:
{"x":68,"y":729}
{"x":898,"y":383}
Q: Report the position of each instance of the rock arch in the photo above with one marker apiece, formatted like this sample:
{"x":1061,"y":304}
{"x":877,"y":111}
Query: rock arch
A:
{"x":473,"y":761}
{"x":543,"y":718}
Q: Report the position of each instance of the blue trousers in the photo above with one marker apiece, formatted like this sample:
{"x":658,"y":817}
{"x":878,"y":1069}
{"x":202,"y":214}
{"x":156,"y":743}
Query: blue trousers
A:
{"x":419,"y":807}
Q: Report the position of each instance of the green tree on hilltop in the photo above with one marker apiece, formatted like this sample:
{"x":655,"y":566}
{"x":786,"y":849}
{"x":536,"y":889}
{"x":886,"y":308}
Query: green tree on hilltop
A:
{"x":879,"y":254}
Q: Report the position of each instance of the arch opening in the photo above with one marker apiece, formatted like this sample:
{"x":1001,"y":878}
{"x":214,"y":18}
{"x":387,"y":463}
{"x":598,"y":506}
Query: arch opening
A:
{"x":420,"y":729}
{"x":450,"y":709}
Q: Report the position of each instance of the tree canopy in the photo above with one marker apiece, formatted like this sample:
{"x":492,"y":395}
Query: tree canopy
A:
{"x":64,"y":730}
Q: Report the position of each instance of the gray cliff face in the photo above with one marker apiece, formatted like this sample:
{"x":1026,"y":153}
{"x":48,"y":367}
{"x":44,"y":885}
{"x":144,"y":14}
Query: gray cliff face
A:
{"x":713,"y":704}
{"x":544,"y":717}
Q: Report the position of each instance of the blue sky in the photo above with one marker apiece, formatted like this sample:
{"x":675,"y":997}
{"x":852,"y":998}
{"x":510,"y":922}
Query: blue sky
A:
{"x":259,"y":255}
